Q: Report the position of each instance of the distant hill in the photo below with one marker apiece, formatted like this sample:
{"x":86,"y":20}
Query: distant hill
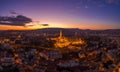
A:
{"x":66,"y":31}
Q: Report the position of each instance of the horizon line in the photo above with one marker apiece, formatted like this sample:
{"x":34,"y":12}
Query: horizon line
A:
{"x":52,"y":28}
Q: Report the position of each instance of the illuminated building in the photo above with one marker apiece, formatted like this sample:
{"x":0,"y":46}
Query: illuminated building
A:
{"x":51,"y":54}
{"x":62,"y":41}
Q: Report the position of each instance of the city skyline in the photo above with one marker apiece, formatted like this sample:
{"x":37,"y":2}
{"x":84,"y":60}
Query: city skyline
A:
{"x":87,"y":14}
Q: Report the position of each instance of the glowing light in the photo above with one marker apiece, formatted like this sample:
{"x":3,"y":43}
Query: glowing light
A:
{"x":62,"y":41}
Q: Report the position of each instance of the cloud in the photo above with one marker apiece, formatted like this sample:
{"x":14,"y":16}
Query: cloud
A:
{"x":44,"y":24}
{"x":94,"y":3}
{"x":18,"y":20}
{"x":112,"y":1}
{"x":30,"y":25}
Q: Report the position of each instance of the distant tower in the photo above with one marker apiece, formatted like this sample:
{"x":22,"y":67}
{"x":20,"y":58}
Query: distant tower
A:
{"x":61,"y":35}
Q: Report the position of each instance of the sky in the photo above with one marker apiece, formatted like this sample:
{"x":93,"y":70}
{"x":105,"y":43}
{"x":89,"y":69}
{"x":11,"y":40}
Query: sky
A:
{"x":83,"y":14}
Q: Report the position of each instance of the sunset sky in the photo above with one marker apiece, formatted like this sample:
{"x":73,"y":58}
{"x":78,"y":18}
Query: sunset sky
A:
{"x":83,"y":14}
